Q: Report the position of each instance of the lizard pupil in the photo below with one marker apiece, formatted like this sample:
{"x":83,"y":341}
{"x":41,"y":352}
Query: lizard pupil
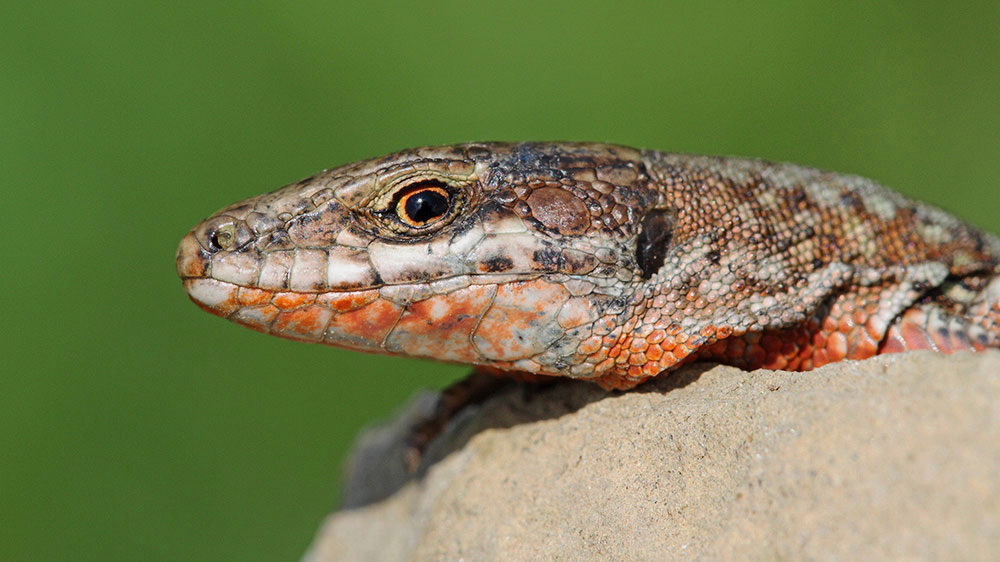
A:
{"x":423,"y":205}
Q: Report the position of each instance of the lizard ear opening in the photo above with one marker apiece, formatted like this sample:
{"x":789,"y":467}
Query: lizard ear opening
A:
{"x":655,"y":232}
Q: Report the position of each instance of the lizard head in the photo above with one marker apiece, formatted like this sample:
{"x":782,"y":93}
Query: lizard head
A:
{"x":513,"y":256}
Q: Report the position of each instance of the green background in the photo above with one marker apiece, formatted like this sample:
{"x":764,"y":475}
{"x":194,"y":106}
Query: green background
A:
{"x":133,"y":426}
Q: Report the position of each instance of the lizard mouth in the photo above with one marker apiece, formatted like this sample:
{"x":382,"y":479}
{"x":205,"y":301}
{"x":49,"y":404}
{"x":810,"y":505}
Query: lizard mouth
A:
{"x":492,"y":323}
{"x":489,"y":318}
{"x":354,"y":319}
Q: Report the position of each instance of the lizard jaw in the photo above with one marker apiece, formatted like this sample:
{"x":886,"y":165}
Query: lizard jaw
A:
{"x":532,"y":325}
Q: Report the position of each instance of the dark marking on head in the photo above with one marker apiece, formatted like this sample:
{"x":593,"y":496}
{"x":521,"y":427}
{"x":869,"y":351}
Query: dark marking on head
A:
{"x":277,"y":240}
{"x":851,"y":200}
{"x":576,"y":261}
{"x":505,"y":196}
{"x":531,"y":159}
{"x":797,"y":195}
{"x":498,"y":264}
{"x":549,"y":258}
{"x":655,"y":233}
{"x":617,"y":305}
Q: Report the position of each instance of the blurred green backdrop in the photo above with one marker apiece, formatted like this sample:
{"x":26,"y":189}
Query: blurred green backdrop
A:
{"x":135,"y":427}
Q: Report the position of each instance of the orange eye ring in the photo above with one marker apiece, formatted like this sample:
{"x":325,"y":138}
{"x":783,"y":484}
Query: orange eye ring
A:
{"x":422,"y":204}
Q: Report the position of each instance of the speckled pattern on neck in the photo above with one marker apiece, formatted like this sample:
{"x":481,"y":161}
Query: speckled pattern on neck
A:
{"x":596,"y":262}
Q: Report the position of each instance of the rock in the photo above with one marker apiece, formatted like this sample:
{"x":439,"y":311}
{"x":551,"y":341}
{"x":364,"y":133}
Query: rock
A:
{"x":895,"y":457}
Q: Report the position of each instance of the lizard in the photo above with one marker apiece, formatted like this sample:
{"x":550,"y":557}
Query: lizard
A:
{"x":596,"y":262}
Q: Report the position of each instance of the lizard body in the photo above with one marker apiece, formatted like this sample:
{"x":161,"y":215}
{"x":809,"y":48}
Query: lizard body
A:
{"x":596,"y":262}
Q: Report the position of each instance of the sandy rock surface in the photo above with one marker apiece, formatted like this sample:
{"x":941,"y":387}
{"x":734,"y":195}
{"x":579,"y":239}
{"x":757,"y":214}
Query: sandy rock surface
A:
{"x":896,"y":457}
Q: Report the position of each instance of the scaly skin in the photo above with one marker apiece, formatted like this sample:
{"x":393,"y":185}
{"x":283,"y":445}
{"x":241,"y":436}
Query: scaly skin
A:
{"x":597,"y":262}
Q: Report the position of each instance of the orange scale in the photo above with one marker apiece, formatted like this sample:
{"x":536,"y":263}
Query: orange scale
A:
{"x":441,"y":326}
{"x":776,"y":362}
{"x":250,"y":296}
{"x":605,"y":365}
{"x":668,"y":344}
{"x":656,"y":336}
{"x":668,"y":360}
{"x":836,"y":347}
{"x":366,"y":326}
{"x":346,"y":302}
{"x":682,"y":351}
{"x":873,"y":331}
{"x":893,"y":343}
{"x":863,"y":348}
{"x":638,"y":344}
{"x":306,"y":323}
{"x":844,"y":324}
{"x":819,"y":338}
{"x":287,"y":301}
{"x":829,"y":322}
{"x":860,"y":316}
{"x":589,"y":345}
{"x":651,"y":369}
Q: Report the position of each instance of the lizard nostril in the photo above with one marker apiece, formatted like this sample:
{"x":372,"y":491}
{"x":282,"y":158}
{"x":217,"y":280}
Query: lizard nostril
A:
{"x":223,"y":233}
{"x":222,"y":237}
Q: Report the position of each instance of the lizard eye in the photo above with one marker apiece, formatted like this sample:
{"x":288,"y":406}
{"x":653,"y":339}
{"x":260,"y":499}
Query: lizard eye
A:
{"x":423,"y":203}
